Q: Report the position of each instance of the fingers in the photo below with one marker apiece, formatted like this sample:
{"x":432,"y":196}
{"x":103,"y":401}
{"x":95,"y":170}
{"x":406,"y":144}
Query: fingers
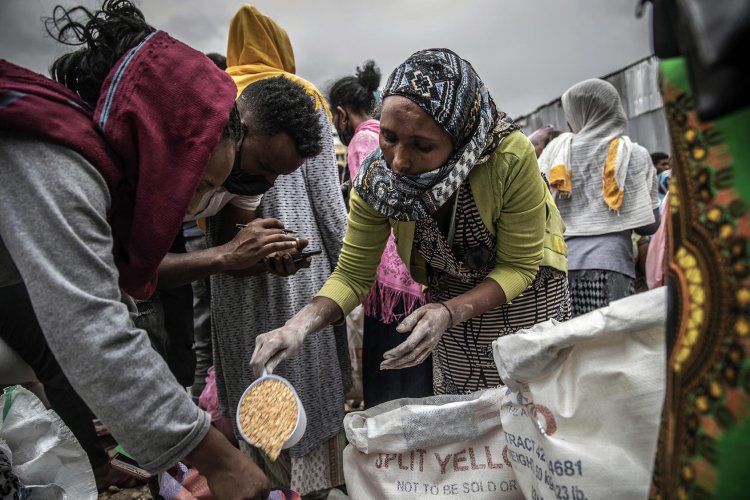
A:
{"x":267,"y":223}
{"x":277,"y":246}
{"x":288,"y":265}
{"x":283,"y":265}
{"x":411,"y":320}
{"x":270,"y":349}
{"x":404,"y":348}
{"x":302,"y":243}
{"x":263,"y":351}
{"x":275,"y":360}
{"x":414,"y":350}
{"x":413,"y":359}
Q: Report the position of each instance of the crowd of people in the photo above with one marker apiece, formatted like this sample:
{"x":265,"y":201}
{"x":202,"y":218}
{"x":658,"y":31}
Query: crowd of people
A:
{"x":460,"y":229}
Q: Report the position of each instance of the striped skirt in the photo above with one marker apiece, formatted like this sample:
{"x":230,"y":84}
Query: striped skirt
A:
{"x":463,"y":361}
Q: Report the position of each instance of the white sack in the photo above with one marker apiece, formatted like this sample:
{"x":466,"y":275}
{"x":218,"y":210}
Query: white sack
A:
{"x":582,"y":409}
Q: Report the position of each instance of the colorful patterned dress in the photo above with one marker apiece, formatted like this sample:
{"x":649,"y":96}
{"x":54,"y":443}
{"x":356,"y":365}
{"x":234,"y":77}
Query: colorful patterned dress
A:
{"x":706,"y":425}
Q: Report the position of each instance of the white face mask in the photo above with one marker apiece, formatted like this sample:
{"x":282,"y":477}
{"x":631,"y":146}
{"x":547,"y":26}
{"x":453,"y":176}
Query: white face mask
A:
{"x":210,"y":204}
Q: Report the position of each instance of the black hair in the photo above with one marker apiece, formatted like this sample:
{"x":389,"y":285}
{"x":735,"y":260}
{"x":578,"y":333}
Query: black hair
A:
{"x":658,"y":156}
{"x":278,"y":105}
{"x":357,"y":92}
{"x":106,"y":34}
{"x":219,"y":60}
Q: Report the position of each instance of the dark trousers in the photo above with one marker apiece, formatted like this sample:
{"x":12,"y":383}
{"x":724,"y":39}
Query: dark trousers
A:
{"x":379,"y":385}
{"x":20,"y":329}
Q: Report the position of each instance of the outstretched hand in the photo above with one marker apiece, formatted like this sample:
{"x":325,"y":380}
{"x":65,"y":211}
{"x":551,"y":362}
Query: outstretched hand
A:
{"x":427,"y":324}
{"x":271,"y":348}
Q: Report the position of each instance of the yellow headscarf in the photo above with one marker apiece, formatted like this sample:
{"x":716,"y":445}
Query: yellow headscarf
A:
{"x":258,"y":48}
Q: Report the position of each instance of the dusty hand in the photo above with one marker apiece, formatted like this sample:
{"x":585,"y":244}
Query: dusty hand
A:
{"x":255,"y":242}
{"x":427,"y":324}
{"x":273,"y":347}
{"x":282,"y":264}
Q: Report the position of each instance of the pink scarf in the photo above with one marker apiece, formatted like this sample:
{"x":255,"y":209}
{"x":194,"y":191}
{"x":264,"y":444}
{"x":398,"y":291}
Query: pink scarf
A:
{"x":394,"y":283}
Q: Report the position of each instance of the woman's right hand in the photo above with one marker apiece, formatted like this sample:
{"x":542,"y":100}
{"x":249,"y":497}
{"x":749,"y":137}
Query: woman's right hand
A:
{"x":271,"y":348}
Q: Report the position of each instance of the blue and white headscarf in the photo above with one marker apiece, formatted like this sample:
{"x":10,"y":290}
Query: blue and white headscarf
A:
{"x":450,"y":91}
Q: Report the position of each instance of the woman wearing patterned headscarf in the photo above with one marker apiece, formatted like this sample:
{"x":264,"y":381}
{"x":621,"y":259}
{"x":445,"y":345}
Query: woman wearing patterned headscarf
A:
{"x":605,"y":188}
{"x":472,"y":218}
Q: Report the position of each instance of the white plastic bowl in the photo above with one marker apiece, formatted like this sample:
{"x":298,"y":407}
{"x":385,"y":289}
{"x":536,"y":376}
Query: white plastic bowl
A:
{"x":299,"y":428}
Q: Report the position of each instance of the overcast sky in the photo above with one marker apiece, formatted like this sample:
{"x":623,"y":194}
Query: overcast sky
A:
{"x":528,"y":52}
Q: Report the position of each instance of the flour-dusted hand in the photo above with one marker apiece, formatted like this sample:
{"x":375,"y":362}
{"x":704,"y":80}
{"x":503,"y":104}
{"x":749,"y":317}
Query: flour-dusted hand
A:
{"x":427,"y":324}
{"x":271,"y":348}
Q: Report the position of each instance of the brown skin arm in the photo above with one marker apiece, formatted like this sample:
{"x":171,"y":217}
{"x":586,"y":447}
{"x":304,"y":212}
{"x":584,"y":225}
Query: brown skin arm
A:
{"x":230,"y":474}
{"x":244,"y":253}
{"x":273,"y":347}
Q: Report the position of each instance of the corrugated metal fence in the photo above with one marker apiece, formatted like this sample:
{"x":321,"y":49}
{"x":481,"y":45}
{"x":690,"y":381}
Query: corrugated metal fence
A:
{"x":638,"y":85}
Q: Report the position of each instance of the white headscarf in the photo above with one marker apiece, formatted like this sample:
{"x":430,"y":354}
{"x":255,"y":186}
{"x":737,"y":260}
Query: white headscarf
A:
{"x":603,"y":182}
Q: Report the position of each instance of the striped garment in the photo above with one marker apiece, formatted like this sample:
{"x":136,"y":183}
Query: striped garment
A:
{"x":462,"y":361}
{"x":308,"y":200}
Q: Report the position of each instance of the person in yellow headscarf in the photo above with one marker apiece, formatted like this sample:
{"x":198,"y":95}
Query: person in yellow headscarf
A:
{"x":258,"y":49}
{"x":309,"y":201}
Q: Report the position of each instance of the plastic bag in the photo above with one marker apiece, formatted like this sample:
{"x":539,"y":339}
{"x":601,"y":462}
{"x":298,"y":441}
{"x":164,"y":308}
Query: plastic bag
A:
{"x":44,"y":454}
{"x":189,"y":484}
{"x":209,"y":401}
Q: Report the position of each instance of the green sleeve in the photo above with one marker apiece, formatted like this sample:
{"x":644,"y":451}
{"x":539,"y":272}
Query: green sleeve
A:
{"x":367,"y":233}
{"x":520,"y":218}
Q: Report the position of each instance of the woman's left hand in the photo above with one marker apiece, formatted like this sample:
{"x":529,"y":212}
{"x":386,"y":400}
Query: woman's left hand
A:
{"x":282,"y":264}
{"x":427,"y":324}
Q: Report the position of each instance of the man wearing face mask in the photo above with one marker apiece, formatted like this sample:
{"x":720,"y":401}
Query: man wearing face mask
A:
{"x":309,"y":201}
{"x":279,"y":131}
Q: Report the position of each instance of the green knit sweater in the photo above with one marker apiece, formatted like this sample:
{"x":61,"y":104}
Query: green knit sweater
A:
{"x":514,"y":204}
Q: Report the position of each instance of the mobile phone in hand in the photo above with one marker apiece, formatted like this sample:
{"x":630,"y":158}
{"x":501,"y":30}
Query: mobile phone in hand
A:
{"x":305,"y":253}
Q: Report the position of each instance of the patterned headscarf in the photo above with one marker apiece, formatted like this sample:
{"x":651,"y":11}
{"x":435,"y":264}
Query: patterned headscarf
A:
{"x":448,"y":89}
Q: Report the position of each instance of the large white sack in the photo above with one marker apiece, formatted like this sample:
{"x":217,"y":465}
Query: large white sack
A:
{"x":436,"y":447}
{"x":582,"y":409}
{"x":44,"y":454}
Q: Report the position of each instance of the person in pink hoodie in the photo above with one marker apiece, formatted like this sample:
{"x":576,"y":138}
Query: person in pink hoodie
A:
{"x":394,"y":295}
